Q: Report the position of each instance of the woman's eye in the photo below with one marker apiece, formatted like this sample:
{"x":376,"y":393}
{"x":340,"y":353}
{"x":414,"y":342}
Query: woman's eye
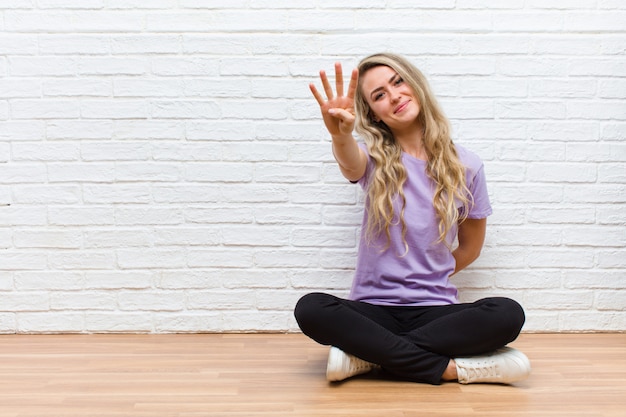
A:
{"x":378,"y":96}
{"x":399,"y":80}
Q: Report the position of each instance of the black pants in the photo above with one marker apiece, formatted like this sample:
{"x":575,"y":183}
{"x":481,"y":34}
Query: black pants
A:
{"x":411,"y":343}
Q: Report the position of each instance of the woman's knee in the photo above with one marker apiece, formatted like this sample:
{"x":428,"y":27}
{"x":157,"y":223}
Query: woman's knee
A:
{"x":309,"y":309}
{"x":516,"y":311}
{"x":512,"y":313}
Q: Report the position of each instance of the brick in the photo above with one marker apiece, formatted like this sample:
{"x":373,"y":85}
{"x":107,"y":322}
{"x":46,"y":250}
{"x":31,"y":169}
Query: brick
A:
{"x":598,"y":193}
{"x":79,"y":129}
{"x":220,"y":258}
{"x":23,"y":173}
{"x":44,"y":109}
{"x":286,"y":258}
{"x":598,"y":21}
{"x":112,"y":66}
{"x":562,"y":172}
{"x":77,"y":216}
{"x":70,"y":172}
{"x":321,"y":279}
{"x":81,"y":259}
{"x":8,"y":323}
{"x":51,"y":322}
{"x":560,"y":258}
{"x":118,"y":237}
{"x":118,"y":323}
{"x":596,"y":279}
{"x":524,"y":67}
{"x":338,"y":258}
{"x":153,"y":172}
{"x":221,"y":300}
{"x":562,"y":88}
{"x":575,"y":215}
{"x":551,"y":300}
{"x":19,"y":88}
{"x":219,"y":172}
{"x":61,"y":44}
{"x":530,"y":109}
{"x":146,"y":44}
{"x":73,"y":88}
{"x":186,"y":193}
{"x":31,"y":151}
{"x":152,"y":215}
{"x":46,"y":194}
{"x":6,"y":281}
{"x":115,"y":280}
{"x":611,"y":300}
{"x":141,"y":300}
{"x":220,"y":215}
{"x":25,"y":301}
{"x":114,"y":109}
{"x":253,"y":278}
{"x":23,"y":216}
{"x":598,"y":321}
{"x":148,"y":129}
{"x":613,"y":214}
{"x":60,"y":239}
{"x":152,"y":258}
{"x":612,"y":258}
{"x":324,"y":237}
{"x":287,"y":174}
{"x":43,"y":66}
{"x":181,"y":236}
{"x":564,"y":45}
{"x":147,"y":88}
{"x":473,"y":87}
{"x":205,"y":321}
{"x":83,"y":300}
{"x":115,"y":151}
{"x":602,"y":236}
{"x":256,"y":236}
{"x":532,"y":280}
{"x":254,"y":320}
{"x":526,"y":236}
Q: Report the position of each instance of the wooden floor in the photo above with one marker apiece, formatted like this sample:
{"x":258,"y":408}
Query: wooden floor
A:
{"x":283,"y":375}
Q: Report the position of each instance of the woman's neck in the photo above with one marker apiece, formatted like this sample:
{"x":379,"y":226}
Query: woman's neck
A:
{"x":411,"y":141}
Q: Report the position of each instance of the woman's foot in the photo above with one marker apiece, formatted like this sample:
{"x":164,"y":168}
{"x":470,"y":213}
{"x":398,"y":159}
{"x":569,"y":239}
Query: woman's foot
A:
{"x":503,"y":366}
{"x":342,"y":365}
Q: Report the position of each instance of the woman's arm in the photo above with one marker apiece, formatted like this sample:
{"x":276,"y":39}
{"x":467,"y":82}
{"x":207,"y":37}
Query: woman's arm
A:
{"x":338,"y":114}
{"x":471,"y":237}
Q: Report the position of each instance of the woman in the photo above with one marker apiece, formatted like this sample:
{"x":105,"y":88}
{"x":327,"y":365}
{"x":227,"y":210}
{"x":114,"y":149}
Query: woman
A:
{"x":424,"y":220}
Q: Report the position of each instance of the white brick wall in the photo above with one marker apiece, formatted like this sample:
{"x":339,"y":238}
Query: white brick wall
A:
{"x":163,"y":167}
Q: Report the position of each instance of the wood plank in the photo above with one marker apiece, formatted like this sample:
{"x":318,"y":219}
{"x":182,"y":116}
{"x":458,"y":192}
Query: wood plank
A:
{"x":230,"y":375}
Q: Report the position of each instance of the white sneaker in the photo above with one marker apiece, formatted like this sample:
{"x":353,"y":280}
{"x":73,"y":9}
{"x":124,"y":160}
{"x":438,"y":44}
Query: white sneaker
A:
{"x":342,"y":365}
{"x":503,"y":366}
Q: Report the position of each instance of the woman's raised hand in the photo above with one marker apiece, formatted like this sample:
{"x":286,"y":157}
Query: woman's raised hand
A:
{"x":337,"y":110}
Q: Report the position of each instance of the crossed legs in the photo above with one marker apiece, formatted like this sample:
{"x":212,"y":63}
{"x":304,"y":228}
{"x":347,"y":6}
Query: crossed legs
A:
{"x":412,"y":343}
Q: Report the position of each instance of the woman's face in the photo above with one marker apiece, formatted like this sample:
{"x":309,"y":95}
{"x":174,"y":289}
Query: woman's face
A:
{"x":391,"y":100}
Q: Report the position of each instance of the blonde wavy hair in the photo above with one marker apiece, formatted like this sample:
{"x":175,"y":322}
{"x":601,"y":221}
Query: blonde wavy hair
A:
{"x":443,"y":164}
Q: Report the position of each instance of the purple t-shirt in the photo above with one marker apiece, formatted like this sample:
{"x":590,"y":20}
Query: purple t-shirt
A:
{"x":421,"y":276}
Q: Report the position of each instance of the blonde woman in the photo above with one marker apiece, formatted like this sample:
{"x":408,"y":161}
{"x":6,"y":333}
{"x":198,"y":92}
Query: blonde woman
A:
{"x":424,"y":220}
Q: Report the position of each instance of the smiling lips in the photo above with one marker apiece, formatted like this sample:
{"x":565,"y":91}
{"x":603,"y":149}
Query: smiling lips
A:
{"x":401,"y":107}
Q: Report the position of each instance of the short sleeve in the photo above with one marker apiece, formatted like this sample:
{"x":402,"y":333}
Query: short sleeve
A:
{"x":481,"y":207}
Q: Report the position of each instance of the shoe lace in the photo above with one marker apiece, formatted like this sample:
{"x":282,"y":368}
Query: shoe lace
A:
{"x":358,"y":364}
{"x":483,"y":369}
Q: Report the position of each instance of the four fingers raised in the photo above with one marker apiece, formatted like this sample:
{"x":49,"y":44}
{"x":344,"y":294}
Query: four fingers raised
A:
{"x":338,"y":85}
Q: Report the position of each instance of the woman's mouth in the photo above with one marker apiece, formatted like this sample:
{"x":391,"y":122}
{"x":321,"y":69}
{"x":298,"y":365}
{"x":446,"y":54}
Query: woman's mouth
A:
{"x":401,"y":107}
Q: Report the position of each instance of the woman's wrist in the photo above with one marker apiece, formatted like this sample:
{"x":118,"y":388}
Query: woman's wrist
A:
{"x":342,"y":138}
